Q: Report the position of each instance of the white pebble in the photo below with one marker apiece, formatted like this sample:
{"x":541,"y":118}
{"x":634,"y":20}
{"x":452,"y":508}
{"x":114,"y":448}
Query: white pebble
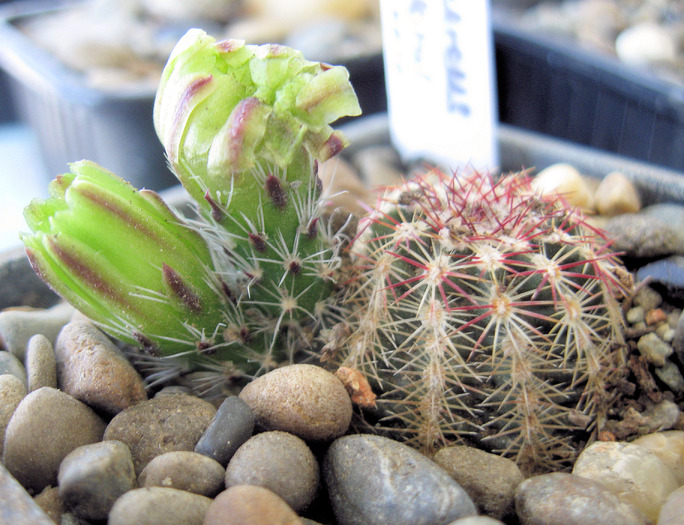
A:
{"x":566,"y":180}
{"x":669,"y":447}
{"x":632,"y":472}
{"x":616,"y":194}
{"x":646,"y":43}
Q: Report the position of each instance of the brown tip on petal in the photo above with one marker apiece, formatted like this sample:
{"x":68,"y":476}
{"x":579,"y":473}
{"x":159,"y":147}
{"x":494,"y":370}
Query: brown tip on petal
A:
{"x":332,"y":146}
{"x":274,"y":188}
{"x":239,"y":118}
{"x":216,"y":212}
{"x":258,"y":242}
{"x":180,"y":288}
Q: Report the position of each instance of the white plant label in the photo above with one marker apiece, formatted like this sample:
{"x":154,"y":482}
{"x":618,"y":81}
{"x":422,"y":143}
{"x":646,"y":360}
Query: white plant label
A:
{"x":440,"y":76}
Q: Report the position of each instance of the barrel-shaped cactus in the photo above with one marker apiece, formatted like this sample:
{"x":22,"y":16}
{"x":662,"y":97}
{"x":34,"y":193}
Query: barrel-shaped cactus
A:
{"x":480,"y":310}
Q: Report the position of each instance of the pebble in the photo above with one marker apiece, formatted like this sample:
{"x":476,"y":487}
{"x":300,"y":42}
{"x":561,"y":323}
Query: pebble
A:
{"x":640,"y":235}
{"x":155,"y":505}
{"x":633,"y":473}
{"x":341,"y":181}
{"x":646,"y":44}
{"x":161,"y":424}
{"x":51,"y":503}
{"x":40,"y":363}
{"x":17,"y":326}
{"x":673,"y":509}
{"x":476,"y":520}
{"x":304,"y":400}
{"x":615,"y":195}
{"x":17,"y":507}
{"x":280,"y":462}
{"x":670,"y":375}
{"x":92,"y":477}
{"x":635,"y":315}
{"x":249,"y":505}
{"x":12,"y":391}
{"x":566,"y":180}
{"x":669,"y":447}
{"x":559,"y":497}
{"x":647,"y":298}
{"x":93,"y":370}
{"x":232,"y":425}
{"x":654,"y":349}
{"x":45,"y":427}
{"x":184,"y":470}
{"x":10,"y":364}
{"x":372,"y":479}
{"x":490,"y":480}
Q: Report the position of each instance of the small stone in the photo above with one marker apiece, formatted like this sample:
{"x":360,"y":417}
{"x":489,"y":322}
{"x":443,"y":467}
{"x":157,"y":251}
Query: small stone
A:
{"x":489,"y":480}
{"x":633,"y":473}
{"x":635,"y":315}
{"x":162,"y":424}
{"x":654,"y":349}
{"x":673,"y":509}
{"x":670,"y":375}
{"x":232,"y":425}
{"x":372,"y":479}
{"x":342,"y":182}
{"x":155,"y":505}
{"x":646,"y":44}
{"x":304,"y":400}
{"x":10,"y":364}
{"x":655,"y":316}
{"x":280,"y":462}
{"x":565,"y":180}
{"x":669,"y":447}
{"x":41,"y":366}
{"x":92,"y":477}
{"x":647,"y":298}
{"x":184,"y":470}
{"x":45,"y":427}
{"x":616,"y":194}
{"x":666,"y":333}
{"x":17,"y":506}
{"x":51,"y":503}
{"x":93,"y":370}
{"x":250,"y":504}
{"x":17,"y":326}
{"x":558,"y":497}
{"x":12,"y":391}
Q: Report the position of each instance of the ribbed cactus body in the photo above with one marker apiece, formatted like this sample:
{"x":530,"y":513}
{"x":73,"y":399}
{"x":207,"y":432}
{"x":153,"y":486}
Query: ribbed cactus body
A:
{"x":482,"y":311}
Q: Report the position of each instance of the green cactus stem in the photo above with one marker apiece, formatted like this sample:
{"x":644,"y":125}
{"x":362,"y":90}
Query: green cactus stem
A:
{"x":481,"y":311}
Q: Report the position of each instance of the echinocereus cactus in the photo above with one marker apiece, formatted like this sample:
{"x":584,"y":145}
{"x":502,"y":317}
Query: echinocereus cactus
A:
{"x":480,"y":310}
{"x":239,"y":287}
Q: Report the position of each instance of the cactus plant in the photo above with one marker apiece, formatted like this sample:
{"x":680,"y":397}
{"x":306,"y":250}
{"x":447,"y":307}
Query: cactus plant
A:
{"x":480,"y":310}
{"x":238,"y":286}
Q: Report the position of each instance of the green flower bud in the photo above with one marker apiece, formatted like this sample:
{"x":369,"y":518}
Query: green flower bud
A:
{"x":224,"y":108}
{"x":124,"y":259}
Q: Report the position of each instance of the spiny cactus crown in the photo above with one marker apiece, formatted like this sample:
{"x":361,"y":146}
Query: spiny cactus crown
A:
{"x":479,"y":309}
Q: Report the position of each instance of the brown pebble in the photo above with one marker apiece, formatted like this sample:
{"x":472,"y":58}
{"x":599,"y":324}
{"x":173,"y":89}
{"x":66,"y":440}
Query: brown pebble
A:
{"x":184,"y":470}
{"x":41,"y":366}
{"x":250,"y":505}
{"x":93,"y":370}
{"x":159,"y":505}
{"x":280,"y":462}
{"x":655,"y":316}
{"x":162,"y":424}
{"x":51,"y":503}
{"x":46,"y":426}
{"x":12,"y":391}
{"x":304,"y":400}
